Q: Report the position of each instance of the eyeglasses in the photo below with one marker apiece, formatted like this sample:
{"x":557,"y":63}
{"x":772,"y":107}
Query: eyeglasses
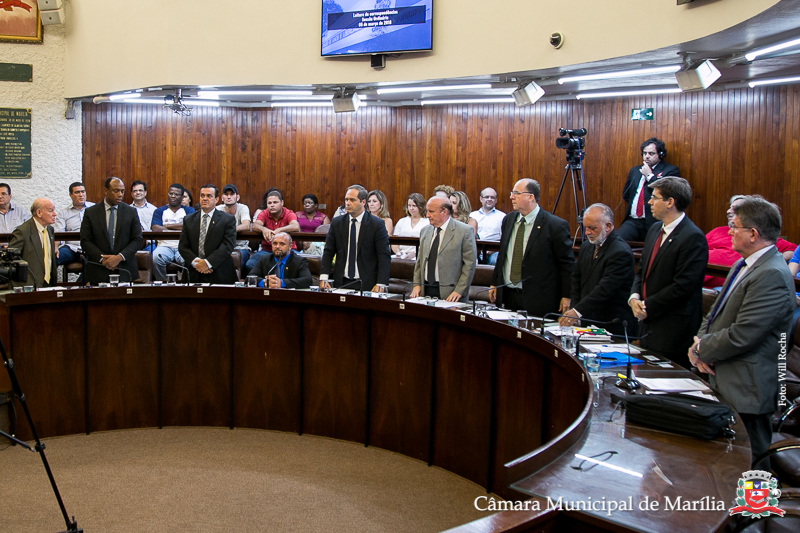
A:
{"x":517,"y":193}
{"x":732,"y":226}
{"x":657,"y":198}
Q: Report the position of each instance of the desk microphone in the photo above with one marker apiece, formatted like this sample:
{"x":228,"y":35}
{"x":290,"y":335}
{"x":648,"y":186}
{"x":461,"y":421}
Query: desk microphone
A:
{"x":628,"y":383}
{"x":475,"y":301}
{"x":120,"y":270}
{"x":179,"y":266}
{"x":360,"y":286}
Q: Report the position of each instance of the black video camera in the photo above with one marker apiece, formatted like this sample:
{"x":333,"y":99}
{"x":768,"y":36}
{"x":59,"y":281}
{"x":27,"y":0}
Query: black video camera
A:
{"x":571,"y":140}
{"x":12,"y":267}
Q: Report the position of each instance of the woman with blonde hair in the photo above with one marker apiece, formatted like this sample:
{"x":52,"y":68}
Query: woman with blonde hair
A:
{"x":462,"y":208}
{"x":376,"y":205}
{"x":410,"y":225}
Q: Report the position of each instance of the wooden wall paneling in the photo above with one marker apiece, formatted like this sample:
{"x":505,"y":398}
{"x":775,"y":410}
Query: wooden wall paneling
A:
{"x":266,"y":366}
{"x":123,"y":391}
{"x":735,"y":141}
{"x":400,"y":385}
{"x":195,"y":337}
{"x":49,"y":359}
{"x":463,"y":400}
{"x":335,"y":373}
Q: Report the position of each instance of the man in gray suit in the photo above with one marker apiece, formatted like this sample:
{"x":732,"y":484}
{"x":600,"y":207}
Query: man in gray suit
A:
{"x":741,"y":339}
{"x":446,"y":261}
{"x":34,"y":239}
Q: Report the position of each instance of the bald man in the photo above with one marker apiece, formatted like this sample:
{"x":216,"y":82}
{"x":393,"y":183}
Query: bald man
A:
{"x":34,"y":239}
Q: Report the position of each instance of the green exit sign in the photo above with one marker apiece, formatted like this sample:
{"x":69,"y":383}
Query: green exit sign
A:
{"x":645,"y":113}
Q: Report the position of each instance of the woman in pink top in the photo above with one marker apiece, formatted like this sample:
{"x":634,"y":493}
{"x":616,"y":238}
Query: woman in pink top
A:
{"x":309,"y":218}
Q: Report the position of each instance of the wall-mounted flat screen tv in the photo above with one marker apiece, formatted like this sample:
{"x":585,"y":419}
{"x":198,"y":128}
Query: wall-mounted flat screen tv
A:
{"x":353,"y":27}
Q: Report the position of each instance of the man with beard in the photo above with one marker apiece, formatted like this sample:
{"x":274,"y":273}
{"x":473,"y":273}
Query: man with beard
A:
{"x":283,"y":268}
{"x":602,"y":279}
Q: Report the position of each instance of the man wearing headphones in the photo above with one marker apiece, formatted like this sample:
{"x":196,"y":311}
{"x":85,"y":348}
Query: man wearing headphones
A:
{"x":636,"y":193}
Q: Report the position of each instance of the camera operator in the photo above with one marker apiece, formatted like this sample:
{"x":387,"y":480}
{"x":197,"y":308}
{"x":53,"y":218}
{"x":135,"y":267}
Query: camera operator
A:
{"x":636,"y":192}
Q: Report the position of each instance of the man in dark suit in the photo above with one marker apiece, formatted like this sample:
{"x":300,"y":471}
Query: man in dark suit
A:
{"x":743,"y":337}
{"x":535,"y":256}
{"x":637,"y":190}
{"x":667,"y":292}
{"x":361,"y":246}
{"x":34,"y":239}
{"x":282,"y":268}
{"x":603,"y":277}
{"x":207,"y":240}
{"x":111,"y":234}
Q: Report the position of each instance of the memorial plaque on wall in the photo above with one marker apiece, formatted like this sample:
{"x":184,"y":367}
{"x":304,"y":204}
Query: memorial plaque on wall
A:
{"x":15,"y":143}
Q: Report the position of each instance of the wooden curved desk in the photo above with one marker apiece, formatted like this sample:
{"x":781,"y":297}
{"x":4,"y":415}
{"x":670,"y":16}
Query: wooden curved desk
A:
{"x":484,"y":400}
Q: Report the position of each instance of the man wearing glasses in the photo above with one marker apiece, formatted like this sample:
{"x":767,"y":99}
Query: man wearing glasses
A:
{"x":490,"y":220}
{"x":535,"y":261}
{"x":667,"y":294}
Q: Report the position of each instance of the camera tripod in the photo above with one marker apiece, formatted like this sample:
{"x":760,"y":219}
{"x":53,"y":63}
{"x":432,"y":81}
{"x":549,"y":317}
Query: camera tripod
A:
{"x":574,"y":169}
{"x":72,"y":526}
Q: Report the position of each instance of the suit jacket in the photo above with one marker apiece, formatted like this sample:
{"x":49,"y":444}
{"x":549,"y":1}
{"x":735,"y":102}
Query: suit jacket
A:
{"x":674,"y":302}
{"x":219,"y":244}
{"x":548,"y":260}
{"x":744,"y":338}
{"x":373,"y":255}
{"x":601,"y":286}
{"x":26,"y":238}
{"x":296,"y":274}
{"x":456,"y":258}
{"x":127,"y":241}
{"x":632,"y":183}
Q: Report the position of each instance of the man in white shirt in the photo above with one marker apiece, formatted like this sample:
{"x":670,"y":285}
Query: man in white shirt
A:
{"x":490,"y":220}
{"x":231,"y":205}
{"x":70,"y":219}
{"x":143,"y":208}
{"x":169,"y":218}
{"x":11,"y":216}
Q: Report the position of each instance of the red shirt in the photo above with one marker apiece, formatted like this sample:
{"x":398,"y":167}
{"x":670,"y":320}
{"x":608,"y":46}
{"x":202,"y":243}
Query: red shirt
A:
{"x":286,"y":218}
{"x":720,"y":252}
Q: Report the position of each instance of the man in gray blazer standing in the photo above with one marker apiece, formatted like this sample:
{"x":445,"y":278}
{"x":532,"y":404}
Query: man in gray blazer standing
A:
{"x":740,"y":340}
{"x":446,"y":260}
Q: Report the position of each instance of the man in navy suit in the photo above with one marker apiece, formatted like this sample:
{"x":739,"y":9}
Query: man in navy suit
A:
{"x":602,"y":280}
{"x":111,"y":234}
{"x":282,"y":268}
{"x":207,"y":240}
{"x":361,"y":246}
{"x":740,"y":341}
{"x":667,"y":291}
{"x":637,"y":190}
{"x":535,"y":257}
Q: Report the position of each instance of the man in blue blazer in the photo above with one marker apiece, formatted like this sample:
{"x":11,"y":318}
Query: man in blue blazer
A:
{"x":667,"y":291}
{"x":360,"y":244}
{"x":741,"y":340}
{"x":540,"y":276}
{"x":206,"y":252}
{"x":116,"y":253}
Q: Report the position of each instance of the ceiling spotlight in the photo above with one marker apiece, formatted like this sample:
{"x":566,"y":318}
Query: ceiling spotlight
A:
{"x":528,"y":94}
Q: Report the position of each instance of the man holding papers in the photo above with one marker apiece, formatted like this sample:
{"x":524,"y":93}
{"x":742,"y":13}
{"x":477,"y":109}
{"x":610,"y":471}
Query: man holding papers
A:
{"x":738,"y":343}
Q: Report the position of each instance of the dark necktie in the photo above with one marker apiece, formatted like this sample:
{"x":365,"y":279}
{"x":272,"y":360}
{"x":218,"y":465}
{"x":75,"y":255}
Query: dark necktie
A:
{"x":203,"y":231}
{"x":724,"y":293}
{"x":596,"y":251}
{"x":519,"y":251}
{"x":111,"y":223}
{"x":656,"y":248}
{"x":351,"y":251}
{"x":432,"y":257}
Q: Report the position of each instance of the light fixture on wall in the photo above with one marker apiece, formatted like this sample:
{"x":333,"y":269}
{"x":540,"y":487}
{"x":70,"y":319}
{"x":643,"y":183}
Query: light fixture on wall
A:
{"x":750,"y":56}
{"x":527,"y":94}
{"x":628,"y":93}
{"x":420,"y":89}
{"x":504,"y":100}
{"x":621,"y":74}
{"x":775,"y":81}
{"x":175,"y":103}
{"x":346,"y":102}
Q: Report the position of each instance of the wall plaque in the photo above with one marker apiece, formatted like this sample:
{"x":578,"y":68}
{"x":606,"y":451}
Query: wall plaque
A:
{"x":15,"y":143}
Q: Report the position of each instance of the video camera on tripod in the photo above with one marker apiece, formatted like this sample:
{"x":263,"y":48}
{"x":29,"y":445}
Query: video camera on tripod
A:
{"x":12,"y":267}
{"x":573,"y":142}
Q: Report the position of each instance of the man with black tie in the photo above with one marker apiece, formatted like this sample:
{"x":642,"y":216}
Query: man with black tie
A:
{"x":111,"y":234}
{"x":637,"y":190}
{"x":361,"y":246}
{"x":535,"y":257}
{"x":603,"y":276}
{"x":667,"y":292}
{"x":34,"y":239}
{"x":207,"y":240}
{"x":740,"y":340}
{"x":446,"y":255}
{"x":282,"y":268}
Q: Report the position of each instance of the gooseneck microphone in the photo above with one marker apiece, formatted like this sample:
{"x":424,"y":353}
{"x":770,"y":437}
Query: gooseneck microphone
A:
{"x":357,"y":280}
{"x":119,"y":270}
{"x":475,"y":301}
{"x":628,"y":383}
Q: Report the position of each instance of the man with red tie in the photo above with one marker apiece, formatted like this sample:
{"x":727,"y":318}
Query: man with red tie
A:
{"x":667,"y":294}
{"x":637,"y":190}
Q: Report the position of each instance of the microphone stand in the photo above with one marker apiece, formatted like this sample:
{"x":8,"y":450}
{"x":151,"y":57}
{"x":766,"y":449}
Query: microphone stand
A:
{"x":360,"y":286}
{"x":182,"y":267}
{"x":120,"y":270}
{"x":627,"y":382}
{"x":475,"y":301}
{"x":72,"y":526}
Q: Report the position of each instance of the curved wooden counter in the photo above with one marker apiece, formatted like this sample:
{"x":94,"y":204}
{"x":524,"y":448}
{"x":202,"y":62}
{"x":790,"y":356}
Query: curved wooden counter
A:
{"x":484,"y":400}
